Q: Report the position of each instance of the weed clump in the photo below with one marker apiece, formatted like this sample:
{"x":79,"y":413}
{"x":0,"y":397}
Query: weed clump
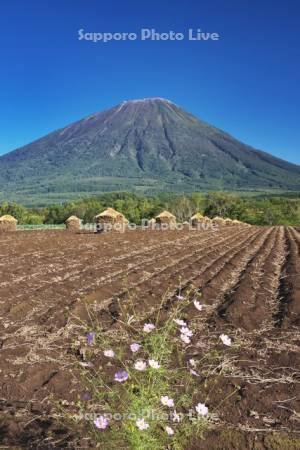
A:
{"x":145,"y":392}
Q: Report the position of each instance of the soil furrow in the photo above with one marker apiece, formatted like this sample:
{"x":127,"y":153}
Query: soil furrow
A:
{"x":249,"y":281}
{"x":222,"y":274}
{"x":153,"y":284}
{"x":253,"y":300}
{"x":289,"y":308}
{"x":87,"y":270}
{"x":87,"y":275}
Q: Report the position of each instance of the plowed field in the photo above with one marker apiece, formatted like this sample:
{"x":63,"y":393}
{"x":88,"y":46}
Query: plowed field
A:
{"x":250,"y":284}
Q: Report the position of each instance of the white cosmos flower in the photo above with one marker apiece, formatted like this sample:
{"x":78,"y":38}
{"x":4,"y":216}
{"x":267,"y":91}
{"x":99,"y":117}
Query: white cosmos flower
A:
{"x":180,"y":297}
{"x":142,"y":424}
{"x":180,"y":322}
{"x":201,"y":409}
{"x":166,"y":401}
{"x":185,"y":338}
{"x":169,"y":431}
{"x":198,"y":305}
{"x":226,"y":339}
{"x":175,"y":416}
{"x":140,"y":365}
{"x":154,"y":364}
{"x":193,"y":372}
{"x":109,"y":353}
{"x":192,"y":362}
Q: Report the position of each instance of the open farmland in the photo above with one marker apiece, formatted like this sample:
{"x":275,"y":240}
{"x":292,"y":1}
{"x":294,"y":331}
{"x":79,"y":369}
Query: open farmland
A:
{"x":249,"y":281}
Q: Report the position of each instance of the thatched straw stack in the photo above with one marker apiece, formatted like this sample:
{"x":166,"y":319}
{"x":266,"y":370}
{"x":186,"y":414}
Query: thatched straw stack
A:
{"x":228,"y":222}
{"x":109,"y":220}
{"x":218,"y":221}
{"x":166,"y":220}
{"x":236,"y":222}
{"x":196,"y":219}
{"x":8,"y":223}
{"x":73,"y":224}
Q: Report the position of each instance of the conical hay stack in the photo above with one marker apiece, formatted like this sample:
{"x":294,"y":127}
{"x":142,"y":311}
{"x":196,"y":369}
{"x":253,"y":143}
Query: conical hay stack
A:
{"x":218,"y":220}
{"x":73,"y":223}
{"x":228,"y":222}
{"x":197,"y":216}
{"x":197,"y":219}
{"x":110,"y":219}
{"x":166,"y":219}
{"x":110,"y":215}
{"x":8,"y":223}
{"x":165,"y":215}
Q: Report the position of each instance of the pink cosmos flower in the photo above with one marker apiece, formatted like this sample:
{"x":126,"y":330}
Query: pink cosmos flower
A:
{"x":135,"y":347}
{"x":121,"y":376}
{"x":186,"y":331}
{"x":148,"y":327}
{"x":185,"y":338}
{"x":109,"y":353}
{"x":180,"y":322}
{"x":101,"y":422}
{"x":90,"y":337}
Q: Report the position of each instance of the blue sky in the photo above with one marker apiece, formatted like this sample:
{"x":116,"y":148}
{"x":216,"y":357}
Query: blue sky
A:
{"x":247,"y":83}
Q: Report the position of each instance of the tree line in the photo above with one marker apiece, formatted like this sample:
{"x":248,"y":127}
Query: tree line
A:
{"x":253,"y":210}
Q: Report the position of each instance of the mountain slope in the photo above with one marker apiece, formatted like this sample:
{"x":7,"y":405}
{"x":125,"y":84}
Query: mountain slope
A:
{"x":138,"y":143}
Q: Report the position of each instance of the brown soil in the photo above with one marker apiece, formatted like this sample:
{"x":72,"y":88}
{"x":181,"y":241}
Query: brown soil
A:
{"x":250,"y":285}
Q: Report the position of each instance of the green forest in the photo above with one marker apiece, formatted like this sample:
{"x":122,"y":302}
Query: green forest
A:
{"x":253,"y":210}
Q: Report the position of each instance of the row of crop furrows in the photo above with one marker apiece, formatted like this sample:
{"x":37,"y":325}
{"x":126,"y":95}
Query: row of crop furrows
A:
{"x":289,"y":312}
{"x":72,"y":264}
{"x":253,"y":301}
{"x":189,"y":269}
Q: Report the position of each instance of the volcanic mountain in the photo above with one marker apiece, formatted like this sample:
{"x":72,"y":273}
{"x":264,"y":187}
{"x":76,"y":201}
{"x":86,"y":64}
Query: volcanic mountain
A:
{"x":145,"y":145}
